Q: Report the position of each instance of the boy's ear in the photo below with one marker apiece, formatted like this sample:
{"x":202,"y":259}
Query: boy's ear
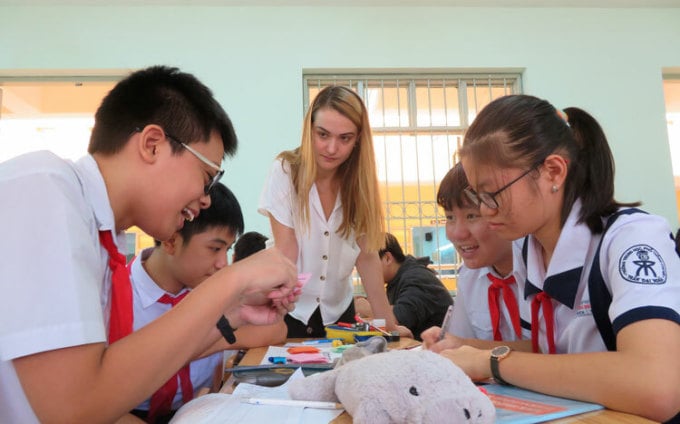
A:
{"x":170,"y":245}
{"x":149,"y":142}
{"x":387,"y":256}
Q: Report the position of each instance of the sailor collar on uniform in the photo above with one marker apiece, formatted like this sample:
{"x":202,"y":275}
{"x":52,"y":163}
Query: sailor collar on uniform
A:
{"x":563,"y":276}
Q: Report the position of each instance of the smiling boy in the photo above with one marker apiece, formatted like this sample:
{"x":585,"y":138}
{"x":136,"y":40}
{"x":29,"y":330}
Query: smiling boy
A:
{"x":157,"y":142}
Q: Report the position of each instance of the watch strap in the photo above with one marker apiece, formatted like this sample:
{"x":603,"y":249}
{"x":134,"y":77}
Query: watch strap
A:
{"x":495,"y":372}
{"x":226,"y":330}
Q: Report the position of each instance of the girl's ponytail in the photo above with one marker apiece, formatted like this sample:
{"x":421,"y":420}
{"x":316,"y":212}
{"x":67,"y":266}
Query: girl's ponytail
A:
{"x":592,"y":178}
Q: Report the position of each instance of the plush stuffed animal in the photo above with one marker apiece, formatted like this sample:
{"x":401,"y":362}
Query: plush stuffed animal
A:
{"x":399,"y":386}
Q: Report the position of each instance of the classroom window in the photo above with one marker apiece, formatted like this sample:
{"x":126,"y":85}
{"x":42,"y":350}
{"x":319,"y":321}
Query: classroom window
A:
{"x":671,"y":90}
{"x":55,"y":113}
{"x":418,"y":121}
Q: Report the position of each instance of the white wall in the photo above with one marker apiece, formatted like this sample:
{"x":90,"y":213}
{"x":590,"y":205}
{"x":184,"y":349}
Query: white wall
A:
{"x":607,"y":61}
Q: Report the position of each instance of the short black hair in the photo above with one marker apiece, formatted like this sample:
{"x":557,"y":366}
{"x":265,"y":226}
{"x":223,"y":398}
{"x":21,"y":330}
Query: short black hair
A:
{"x":249,"y":243}
{"x":392,"y":245}
{"x":224,"y":211}
{"x":177,"y":101}
{"x":451,"y":192}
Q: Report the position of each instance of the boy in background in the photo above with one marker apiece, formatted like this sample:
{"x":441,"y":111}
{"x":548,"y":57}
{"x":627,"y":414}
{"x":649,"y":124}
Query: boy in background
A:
{"x":249,"y":243}
{"x":419,"y":299}
{"x":161,"y":276}
{"x":486,"y":303}
{"x":67,"y":350}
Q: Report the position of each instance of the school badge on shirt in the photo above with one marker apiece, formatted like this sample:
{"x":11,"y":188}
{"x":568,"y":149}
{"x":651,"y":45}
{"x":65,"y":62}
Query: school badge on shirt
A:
{"x":642,"y":264}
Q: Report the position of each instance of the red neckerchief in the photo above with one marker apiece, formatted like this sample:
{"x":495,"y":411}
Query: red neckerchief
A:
{"x":503,"y":286}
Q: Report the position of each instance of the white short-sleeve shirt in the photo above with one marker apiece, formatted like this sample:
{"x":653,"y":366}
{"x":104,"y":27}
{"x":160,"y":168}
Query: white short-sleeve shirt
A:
{"x":145,"y":295}
{"x":639,"y":265}
{"x":322,"y":251}
{"x":55,"y":278}
{"x":471,"y":317}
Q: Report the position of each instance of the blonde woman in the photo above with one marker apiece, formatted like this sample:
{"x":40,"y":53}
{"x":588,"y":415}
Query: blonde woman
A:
{"x":323,"y":203}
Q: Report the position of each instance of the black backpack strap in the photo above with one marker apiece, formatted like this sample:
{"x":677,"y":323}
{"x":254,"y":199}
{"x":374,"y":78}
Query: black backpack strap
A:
{"x":600,"y":297}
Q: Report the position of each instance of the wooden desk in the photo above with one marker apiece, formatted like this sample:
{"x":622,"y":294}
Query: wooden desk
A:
{"x":254,"y":357}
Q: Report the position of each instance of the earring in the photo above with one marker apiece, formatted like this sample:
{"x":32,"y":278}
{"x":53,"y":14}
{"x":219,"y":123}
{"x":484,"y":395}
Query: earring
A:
{"x":554,"y":189}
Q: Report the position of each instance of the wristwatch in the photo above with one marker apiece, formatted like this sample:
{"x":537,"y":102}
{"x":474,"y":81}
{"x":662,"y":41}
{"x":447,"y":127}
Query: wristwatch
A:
{"x":227,"y":330}
{"x":497,"y":355}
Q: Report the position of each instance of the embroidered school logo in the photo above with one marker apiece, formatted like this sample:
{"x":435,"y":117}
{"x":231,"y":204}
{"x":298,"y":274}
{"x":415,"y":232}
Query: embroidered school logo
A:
{"x":642,"y":264}
{"x":584,"y":309}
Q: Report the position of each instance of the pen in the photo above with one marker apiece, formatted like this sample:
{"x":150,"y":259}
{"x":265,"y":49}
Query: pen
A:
{"x":445,"y":323}
{"x":290,"y":402}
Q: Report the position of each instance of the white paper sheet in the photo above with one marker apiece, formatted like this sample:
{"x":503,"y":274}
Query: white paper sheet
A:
{"x":228,"y":409}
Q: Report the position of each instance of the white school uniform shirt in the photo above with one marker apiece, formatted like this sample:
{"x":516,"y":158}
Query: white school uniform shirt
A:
{"x":641,"y":288}
{"x":146,"y":308}
{"x":55,"y":280}
{"x":322,"y":251}
{"x":471,"y":317}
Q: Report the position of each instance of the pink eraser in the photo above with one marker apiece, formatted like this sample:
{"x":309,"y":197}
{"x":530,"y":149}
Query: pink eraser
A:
{"x":303,"y":278}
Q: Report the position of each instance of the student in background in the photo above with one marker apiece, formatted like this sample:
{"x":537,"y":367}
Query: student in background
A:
{"x":67,"y":353}
{"x":487,"y":295}
{"x":323,"y":203}
{"x":539,"y":173}
{"x":247,"y":244}
{"x":163,"y":275}
{"x":419,"y":300}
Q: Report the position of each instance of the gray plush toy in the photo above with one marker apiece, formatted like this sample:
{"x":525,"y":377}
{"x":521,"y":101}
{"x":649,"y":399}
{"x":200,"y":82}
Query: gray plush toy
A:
{"x":399,"y":386}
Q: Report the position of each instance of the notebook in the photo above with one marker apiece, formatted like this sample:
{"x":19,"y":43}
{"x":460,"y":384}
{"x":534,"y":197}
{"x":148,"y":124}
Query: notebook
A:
{"x":520,"y":406}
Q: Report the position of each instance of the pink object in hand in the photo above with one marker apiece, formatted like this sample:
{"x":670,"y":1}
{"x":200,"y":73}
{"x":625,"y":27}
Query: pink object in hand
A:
{"x":303,"y":278}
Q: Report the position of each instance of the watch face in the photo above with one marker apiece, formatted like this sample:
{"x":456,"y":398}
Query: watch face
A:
{"x":500,"y":351}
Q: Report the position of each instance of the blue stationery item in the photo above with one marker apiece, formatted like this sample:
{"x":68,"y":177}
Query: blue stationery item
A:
{"x":277,"y":359}
{"x":321,"y":341}
{"x":520,"y":406}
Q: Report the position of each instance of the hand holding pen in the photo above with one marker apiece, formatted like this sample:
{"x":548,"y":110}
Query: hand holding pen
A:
{"x":434,"y":337}
{"x":446,"y":322}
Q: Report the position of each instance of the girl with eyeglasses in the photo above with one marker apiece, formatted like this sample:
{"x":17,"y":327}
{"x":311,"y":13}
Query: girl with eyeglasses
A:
{"x":601,"y":279}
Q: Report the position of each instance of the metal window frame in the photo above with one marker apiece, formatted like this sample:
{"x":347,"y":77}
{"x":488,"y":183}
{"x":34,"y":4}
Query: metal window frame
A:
{"x":510,"y":80}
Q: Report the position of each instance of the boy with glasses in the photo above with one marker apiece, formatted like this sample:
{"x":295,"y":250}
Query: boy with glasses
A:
{"x":67,"y":350}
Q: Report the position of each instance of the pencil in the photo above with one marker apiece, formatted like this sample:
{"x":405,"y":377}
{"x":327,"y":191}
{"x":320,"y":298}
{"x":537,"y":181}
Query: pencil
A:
{"x":299,"y":403}
{"x":445,"y":323}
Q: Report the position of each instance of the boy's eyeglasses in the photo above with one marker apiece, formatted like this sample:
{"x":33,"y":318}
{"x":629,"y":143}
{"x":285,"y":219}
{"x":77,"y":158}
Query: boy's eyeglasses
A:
{"x":200,"y":157}
{"x":489,"y":199}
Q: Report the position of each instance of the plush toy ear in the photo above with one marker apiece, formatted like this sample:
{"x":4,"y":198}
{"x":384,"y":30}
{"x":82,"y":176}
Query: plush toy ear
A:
{"x":375,"y":344}
{"x":318,"y":387}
